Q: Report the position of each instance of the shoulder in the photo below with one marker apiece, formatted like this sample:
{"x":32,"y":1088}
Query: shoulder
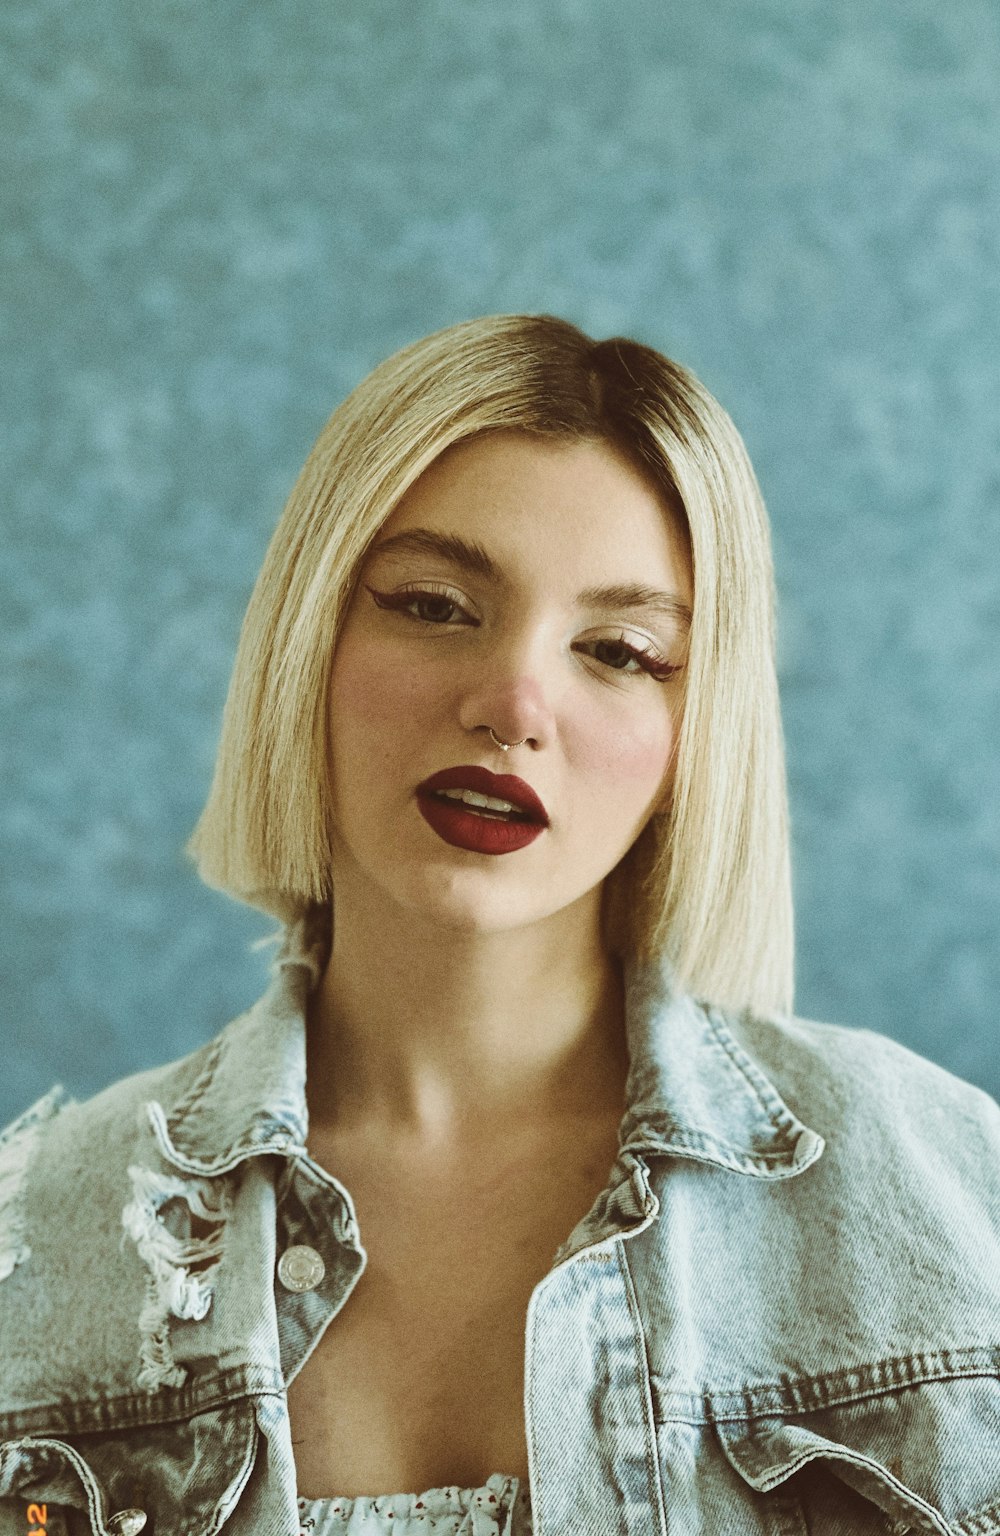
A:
{"x":65,"y":1181}
{"x":885,"y":1246}
{"x":860,"y":1079}
{"x":60,"y":1139}
{"x":78,"y":1167}
{"x":896,"y":1125}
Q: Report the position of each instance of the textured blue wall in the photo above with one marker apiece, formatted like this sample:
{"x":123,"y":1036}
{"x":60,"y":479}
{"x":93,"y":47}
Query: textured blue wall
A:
{"x":217,"y":217}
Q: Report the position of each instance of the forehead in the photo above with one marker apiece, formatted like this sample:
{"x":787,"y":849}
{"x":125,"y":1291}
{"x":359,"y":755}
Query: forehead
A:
{"x":557,"y":505}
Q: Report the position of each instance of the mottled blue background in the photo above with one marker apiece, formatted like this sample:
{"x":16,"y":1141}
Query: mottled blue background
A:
{"x":217,"y":217}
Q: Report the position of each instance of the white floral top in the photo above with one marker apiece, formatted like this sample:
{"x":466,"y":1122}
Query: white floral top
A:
{"x":501,"y":1507}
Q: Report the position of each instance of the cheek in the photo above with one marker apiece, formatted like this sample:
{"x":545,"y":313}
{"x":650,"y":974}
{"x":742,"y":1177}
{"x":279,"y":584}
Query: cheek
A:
{"x":375,"y":693}
{"x":633,"y":755}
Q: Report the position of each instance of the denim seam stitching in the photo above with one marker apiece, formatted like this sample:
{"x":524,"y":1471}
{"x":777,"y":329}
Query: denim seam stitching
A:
{"x":983,"y":1361}
{"x":653,"y":1472}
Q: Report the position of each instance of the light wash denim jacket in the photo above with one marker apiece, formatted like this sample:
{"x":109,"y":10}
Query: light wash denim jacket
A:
{"x":780,"y":1318}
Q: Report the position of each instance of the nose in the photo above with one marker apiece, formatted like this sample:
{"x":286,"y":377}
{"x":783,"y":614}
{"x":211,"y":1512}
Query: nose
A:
{"x":511,"y":692}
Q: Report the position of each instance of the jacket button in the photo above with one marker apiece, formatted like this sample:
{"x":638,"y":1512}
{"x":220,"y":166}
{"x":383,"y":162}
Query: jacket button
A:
{"x":300,"y":1268}
{"x":127,"y":1522}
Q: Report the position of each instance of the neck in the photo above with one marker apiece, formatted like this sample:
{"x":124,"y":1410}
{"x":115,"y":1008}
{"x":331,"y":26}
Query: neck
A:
{"x":422,"y":1036}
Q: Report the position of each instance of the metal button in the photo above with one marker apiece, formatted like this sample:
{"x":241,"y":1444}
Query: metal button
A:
{"x":127,"y":1522}
{"x":300,"y":1268}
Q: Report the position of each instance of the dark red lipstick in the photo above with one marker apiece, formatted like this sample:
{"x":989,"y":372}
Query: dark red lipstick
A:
{"x":477,"y":828}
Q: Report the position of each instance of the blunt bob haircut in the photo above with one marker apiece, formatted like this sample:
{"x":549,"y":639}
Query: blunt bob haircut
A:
{"x":705,"y":890}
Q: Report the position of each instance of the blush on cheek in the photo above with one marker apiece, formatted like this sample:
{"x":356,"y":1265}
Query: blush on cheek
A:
{"x":635,"y":757}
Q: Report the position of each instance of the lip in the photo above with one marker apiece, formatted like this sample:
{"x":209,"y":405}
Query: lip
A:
{"x":462,"y":827}
{"x":500,"y":786}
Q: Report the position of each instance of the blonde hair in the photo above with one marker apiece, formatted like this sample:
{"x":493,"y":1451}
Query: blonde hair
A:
{"x":706,"y":887}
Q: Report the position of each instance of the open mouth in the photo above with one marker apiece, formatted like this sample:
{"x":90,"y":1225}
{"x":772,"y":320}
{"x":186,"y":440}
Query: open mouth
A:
{"x":482,"y":805}
{"x":496,"y":827}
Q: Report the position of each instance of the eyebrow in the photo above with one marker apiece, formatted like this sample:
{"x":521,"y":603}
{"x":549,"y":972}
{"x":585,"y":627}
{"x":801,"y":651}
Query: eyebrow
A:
{"x":473,"y":557}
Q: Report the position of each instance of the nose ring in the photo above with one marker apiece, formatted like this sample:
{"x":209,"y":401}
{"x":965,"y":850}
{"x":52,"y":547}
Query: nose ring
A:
{"x":505,"y":746}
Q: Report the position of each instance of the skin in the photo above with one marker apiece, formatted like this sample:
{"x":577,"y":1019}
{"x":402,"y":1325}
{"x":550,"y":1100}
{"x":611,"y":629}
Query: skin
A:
{"x":467,"y":992}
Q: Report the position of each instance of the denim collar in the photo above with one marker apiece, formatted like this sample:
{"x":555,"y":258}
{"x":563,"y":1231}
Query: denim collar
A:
{"x":692,"y":1090}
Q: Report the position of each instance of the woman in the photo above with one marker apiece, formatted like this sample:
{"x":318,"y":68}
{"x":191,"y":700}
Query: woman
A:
{"x":520,"y":1200}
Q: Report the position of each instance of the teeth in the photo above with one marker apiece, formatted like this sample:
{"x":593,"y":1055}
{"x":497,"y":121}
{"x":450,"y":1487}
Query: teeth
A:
{"x":471,"y":798}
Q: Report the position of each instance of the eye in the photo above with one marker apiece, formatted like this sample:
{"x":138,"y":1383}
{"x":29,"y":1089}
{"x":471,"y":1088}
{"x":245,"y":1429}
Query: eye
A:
{"x":427,"y":599}
{"x":648,"y":661}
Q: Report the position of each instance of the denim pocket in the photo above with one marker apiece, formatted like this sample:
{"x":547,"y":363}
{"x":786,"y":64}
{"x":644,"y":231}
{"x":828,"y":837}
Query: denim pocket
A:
{"x":185,"y":1476}
{"x":920,"y":1459}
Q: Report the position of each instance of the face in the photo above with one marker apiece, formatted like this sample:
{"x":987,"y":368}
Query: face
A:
{"x":436,"y":648}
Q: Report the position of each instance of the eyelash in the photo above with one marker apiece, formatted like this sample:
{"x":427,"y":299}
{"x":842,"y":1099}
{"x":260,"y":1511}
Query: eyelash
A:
{"x":649,"y":661}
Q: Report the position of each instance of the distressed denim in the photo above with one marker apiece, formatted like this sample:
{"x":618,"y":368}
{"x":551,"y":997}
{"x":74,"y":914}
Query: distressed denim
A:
{"x":781,"y":1317}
